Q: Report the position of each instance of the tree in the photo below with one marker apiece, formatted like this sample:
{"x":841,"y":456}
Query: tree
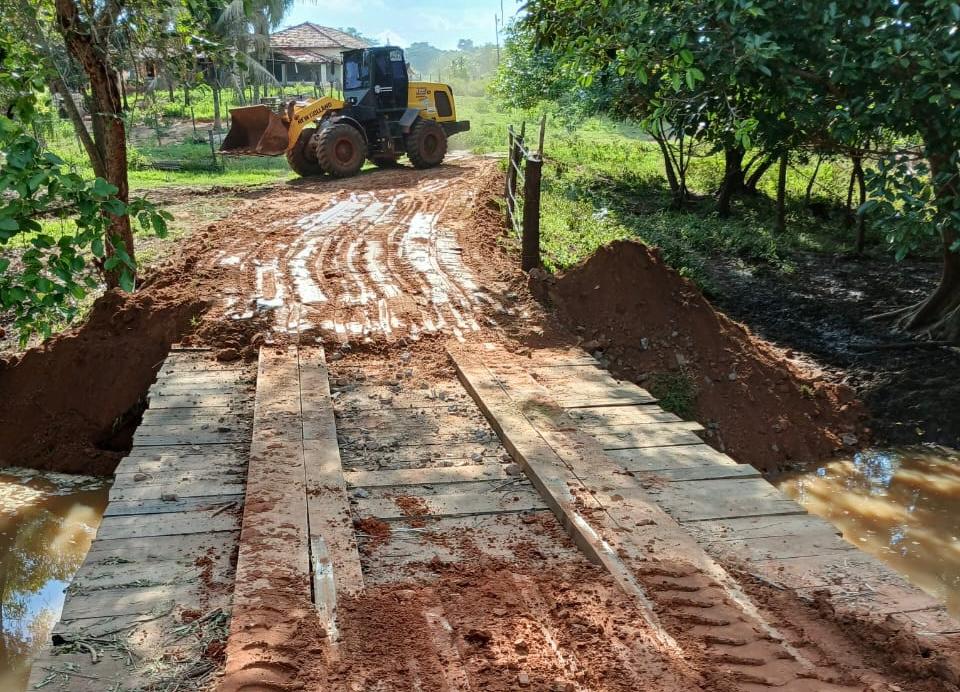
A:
{"x":356,"y":33}
{"x":820,"y":75}
{"x":53,"y":273}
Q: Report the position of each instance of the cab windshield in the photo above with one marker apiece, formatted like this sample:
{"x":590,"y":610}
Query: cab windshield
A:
{"x":356,"y":74}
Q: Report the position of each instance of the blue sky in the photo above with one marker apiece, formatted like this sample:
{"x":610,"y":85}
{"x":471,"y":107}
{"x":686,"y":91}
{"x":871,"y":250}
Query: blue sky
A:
{"x":439,"y":22}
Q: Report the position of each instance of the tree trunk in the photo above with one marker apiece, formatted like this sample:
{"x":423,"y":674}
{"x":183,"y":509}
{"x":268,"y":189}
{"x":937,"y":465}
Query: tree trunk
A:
{"x":939,"y":315}
{"x":79,"y":127}
{"x":81,"y":40}
{"x":668,"y":165}
{"x":813,"y":181}
{"x":732,"y":180}
{"x":861,"y":218}
{"x":780,"y":223}
{"x":217,"y":121}
{"x":750,"y":187}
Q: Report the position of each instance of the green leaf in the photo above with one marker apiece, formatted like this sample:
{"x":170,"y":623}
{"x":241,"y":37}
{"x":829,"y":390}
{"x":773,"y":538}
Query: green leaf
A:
{"x":9,"y":224}
{"x":4,"y":263}
{"x":96,"y":247}
{"x":126,"y":281}
{"x":687,"y":56}
{"x":101,"y":188}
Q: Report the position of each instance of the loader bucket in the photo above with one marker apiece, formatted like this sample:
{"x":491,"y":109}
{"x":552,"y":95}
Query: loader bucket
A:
{"x":255,"y":130}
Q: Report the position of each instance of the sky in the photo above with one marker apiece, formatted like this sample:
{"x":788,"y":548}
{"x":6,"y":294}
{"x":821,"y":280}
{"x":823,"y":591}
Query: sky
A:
{"x":439,"y":22}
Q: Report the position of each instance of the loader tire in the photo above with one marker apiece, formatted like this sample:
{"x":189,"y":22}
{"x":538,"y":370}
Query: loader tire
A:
{"x":341,"y":150}
{"x":426,"y":144}
{"x":301,"y":158}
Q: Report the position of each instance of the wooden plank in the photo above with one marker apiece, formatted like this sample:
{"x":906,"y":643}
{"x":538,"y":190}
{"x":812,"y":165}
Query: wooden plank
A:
{"x":232,"y":487}
{"x":439,"y":454}
{"x":194,"y":423}
{"x":194,"y":415}
{"x":98,"y":573}
{"x":335,"y":559}
{"x":200,"y":389}
{"x":644,"y":436}
{"x":179,"y":376}
{"x":141,"y":550}
{"x":275,"y":531}
{"x":154,"y":501}
{"x":462,"y":505}
{"x":426,"y":476}
{"x":135,"y":601}
{"x":146,"y":437}
{"x":185,"y":453}
{"x":174,"y":524}
{"x":724,"y":499}
{"x":700,"y":473}
{"x":756,"y":528}
{"x":192,"y":400}
{"x":588,"y":418}
{"x":170,"y":474}
{"x":655,"y":459}
{"x":555,"y":481}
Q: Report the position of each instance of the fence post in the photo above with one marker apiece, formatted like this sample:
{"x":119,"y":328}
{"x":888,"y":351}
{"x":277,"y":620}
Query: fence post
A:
{"x":511,"y":178}
{"x":530,"y":255}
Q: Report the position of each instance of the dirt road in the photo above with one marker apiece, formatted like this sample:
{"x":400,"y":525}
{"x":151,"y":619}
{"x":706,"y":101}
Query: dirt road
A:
{"x":470,"y":582}
{"x":377,"y":260}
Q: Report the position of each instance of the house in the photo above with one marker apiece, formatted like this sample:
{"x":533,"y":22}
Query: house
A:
{"x":309,"y":53}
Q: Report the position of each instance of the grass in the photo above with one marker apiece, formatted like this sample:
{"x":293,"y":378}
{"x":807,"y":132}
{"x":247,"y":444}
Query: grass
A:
{"x":602,"y":181}
{"x":676,"y":392}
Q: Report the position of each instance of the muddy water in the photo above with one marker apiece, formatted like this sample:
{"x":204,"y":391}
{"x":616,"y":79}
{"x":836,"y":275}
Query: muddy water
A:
{"x":47,"y":522}
{"x":900,"y":505}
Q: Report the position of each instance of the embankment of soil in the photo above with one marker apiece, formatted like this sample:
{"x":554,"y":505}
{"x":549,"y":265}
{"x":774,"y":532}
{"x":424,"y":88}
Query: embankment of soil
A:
{"x":70,"y":404}
{"x":758,"y":405}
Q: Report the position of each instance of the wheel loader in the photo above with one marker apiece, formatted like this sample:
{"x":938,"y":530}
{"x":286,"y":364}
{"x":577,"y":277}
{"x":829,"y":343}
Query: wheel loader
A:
{"x":383,"y":115}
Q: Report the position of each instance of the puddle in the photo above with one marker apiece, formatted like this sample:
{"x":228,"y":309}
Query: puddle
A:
{"x":900,"y":505}
{"x":47,"y":522}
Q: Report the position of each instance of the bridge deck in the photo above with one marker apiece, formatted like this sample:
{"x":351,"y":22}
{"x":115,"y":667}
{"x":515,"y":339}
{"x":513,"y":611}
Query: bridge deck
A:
{"x":156,"y":587}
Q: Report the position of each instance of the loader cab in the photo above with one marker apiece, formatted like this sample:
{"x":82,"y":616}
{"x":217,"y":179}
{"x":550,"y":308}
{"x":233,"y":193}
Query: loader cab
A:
{"x":375,"y":78}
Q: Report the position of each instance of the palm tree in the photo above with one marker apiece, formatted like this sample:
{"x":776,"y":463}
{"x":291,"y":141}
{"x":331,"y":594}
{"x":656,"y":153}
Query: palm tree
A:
{"x":242,"y":30}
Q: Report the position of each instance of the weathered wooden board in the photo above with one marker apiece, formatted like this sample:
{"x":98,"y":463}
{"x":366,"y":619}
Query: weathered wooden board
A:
{"x":643,"y":436}
{"x":171,"y":475}
{"x":192,"y":400}
{"x":166,"y":505}
{"x":146,"y":437}
{"x":726,"y":498}
{"x":587,"y":418}
{"x":185,"y":454}
{"x":656,"y":459}
{"x":172,"y":524}
{"x":424,"y":454}
{"x":177,"y":491}
{"x":426,"y":476}
{"x":699,"y":473}
{"x":275,"y":533}
{"x":333,"y":547}
{"x":220,"y":424}
{"x":451,"y":505}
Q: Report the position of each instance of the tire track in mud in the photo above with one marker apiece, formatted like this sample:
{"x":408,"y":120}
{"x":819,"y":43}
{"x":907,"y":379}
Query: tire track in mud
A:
{"x":382,"y":263}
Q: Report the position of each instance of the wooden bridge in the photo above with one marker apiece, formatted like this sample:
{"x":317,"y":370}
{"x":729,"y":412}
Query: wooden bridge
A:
{"x":501,"y":440}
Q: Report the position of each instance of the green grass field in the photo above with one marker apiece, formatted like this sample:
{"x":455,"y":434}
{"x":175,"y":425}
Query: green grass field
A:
{"x":602,"y":181}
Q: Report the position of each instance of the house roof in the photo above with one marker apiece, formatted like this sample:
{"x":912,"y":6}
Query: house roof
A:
{"x":310,"y":35}
{"x":304,"y":55}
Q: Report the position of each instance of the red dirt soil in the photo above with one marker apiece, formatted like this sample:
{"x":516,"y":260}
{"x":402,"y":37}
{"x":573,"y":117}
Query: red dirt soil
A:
{"x":758,"y":405}
{"x":65,"y":401}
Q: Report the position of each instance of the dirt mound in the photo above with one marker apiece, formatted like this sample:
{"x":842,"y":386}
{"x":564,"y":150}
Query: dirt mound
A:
{"x":71,"y":404}
{"x":655,"y":328}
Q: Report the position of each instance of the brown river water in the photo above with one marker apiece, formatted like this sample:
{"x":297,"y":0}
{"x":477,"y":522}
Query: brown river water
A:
{"x":47,"y":522}
{"x":900,"y":505}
